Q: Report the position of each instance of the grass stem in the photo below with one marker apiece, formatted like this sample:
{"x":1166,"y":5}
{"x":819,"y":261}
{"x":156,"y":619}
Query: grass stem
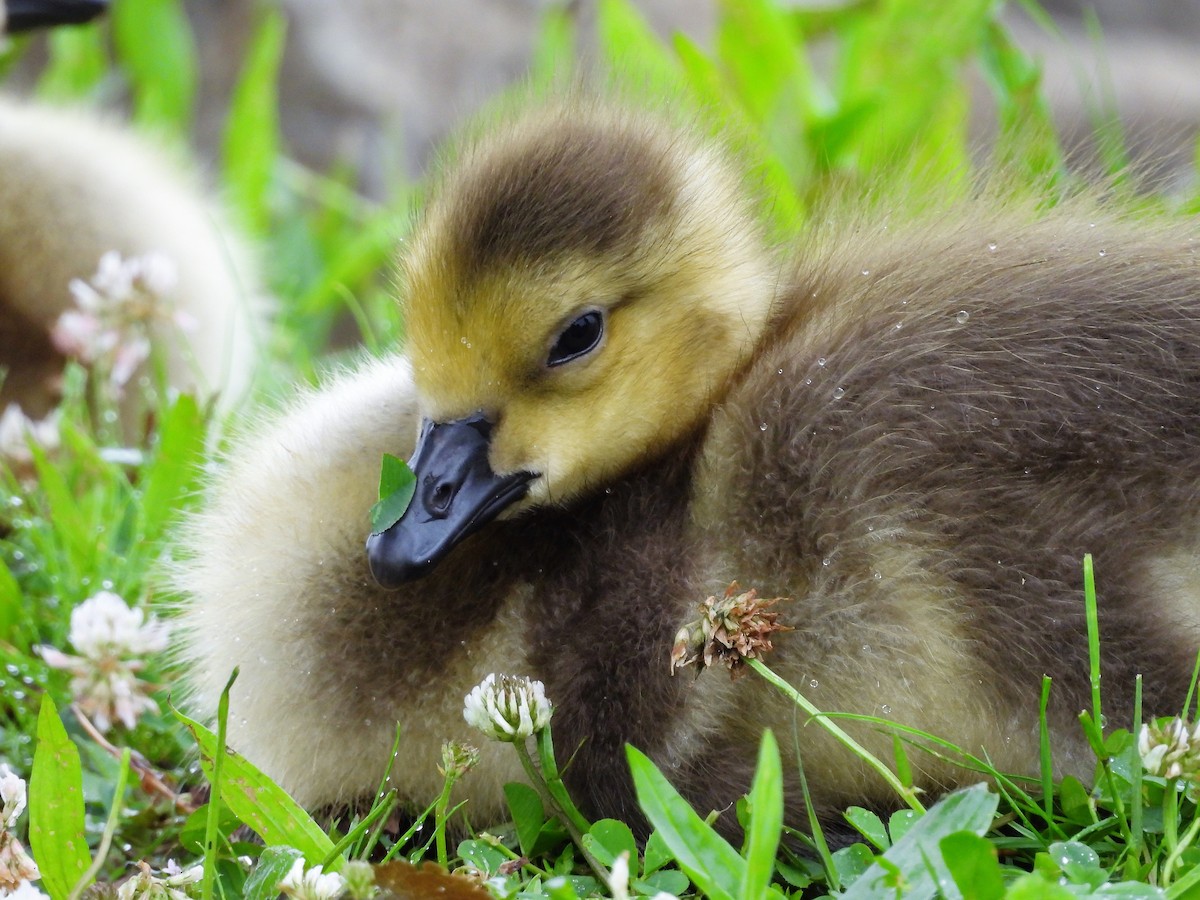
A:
{"x":110,"y":828}
{"x":571,"y":820}
{"x":907,"y":794}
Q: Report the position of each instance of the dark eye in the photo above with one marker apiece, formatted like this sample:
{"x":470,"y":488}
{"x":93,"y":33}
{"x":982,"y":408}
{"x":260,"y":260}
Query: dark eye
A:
{"x":578,"y":338}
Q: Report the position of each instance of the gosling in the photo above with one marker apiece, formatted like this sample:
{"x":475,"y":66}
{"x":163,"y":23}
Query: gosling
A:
{"x":618,"y":398}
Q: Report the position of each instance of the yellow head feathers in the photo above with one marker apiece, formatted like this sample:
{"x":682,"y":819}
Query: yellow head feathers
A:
{"x":569,"y":213}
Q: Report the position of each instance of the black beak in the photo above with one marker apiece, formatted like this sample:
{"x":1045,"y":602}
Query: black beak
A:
{"x":24,"y":15}
{"x":457,"y":493}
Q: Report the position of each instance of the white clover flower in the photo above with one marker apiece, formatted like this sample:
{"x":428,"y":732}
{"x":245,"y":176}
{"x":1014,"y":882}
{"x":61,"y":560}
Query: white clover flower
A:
{"x":116,"y":309}
{"x":508,"y":707}
{"x":311,"y":884}
{"x":156,"y":273}
{"x":1170,"y":751}
{"x":105,"y":625}
{"x":17,"y":431}
{"x":114,"y":277}
{"x":618,"y":877}
{"x":12,"y":793}
{"x":148,"y":886}
{"x":110,"y":637}
{"x":121,"y":281}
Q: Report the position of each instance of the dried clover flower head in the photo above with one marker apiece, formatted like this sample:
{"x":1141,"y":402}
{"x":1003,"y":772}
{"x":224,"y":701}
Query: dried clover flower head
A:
{"x":16,"y":866}
{"x":1170,"y":751}
{"x":508,"y":707}
{"x":730,"y":630}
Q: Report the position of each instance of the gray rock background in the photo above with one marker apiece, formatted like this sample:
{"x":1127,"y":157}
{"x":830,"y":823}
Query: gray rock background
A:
{"x":381,"y":82}
{"x":378,"y":83}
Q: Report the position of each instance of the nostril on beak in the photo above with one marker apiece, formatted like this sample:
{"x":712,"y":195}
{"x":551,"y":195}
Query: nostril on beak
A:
{"x":441,"y":496}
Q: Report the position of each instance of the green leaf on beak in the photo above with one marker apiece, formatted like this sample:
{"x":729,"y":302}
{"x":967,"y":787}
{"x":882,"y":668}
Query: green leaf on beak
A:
{"x":397,"y":484}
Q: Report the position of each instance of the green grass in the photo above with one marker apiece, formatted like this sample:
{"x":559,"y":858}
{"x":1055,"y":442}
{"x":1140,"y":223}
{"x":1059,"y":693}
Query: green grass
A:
{"x":891,"y":101}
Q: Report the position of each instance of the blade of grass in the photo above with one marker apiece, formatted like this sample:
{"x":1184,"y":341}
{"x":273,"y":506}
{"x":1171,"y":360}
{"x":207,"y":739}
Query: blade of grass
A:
{"x":251,"y":142}
{"x":110,"y":828}
{"x":1019,"y":800}
{"x":1093,"y":630}
{"x":1187,"y":712}
{"x":1027,"y":142}
{"x":1044,"y":755}
{"x":156,"y":50}
{"x":212,"y":826}
{"x":56,"y":814}
{"x":1135,"y":790}
{"x":635,"y":54}
{"x":382,"y":807}
{"x":906,"y":794}
{"x":766,"y":821}
{"x":1185,"y":887}
{"x":12,"y":609}
{"x":174,"y":469}
{"x":78,"y":63}
{"x":258,"y":802}
{"x":361,"y":852}
{"x":705,"y":857}
{"x":553,"y":59}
